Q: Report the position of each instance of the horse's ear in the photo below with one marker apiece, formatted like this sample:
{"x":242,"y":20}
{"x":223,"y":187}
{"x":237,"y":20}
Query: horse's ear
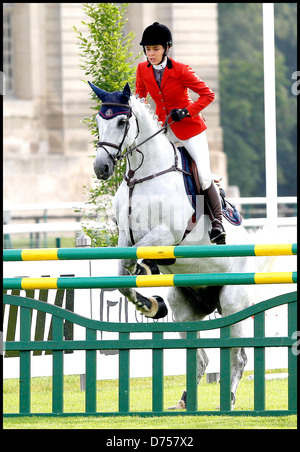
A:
{"x":98,"y":91}
{"x":126,"y":91}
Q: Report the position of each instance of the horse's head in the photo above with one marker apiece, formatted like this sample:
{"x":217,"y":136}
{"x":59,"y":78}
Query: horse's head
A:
{"x":116,"y":126}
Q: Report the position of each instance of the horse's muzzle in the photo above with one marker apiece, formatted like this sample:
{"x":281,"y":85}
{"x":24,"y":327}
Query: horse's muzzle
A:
{"x":103,"y":171}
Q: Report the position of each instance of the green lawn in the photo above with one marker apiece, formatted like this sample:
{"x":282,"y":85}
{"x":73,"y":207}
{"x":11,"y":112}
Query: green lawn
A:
{"x":140,"y":399}
{"x":24,"y":242}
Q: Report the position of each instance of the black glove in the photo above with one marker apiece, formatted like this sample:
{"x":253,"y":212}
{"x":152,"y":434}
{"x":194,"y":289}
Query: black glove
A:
{"x":178,"y":114}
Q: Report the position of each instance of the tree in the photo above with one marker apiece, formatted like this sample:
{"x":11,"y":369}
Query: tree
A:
{"x":108,"y":62}
{"x":242,"y":95}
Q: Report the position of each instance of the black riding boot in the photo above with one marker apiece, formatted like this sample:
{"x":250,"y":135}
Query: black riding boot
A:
{"x":217,"y":233}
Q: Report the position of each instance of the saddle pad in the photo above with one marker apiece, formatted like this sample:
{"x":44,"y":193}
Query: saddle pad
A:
{"x":229,"y":211}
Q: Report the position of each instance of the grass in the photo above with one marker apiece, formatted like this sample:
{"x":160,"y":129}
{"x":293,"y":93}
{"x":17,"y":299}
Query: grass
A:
{"x":23,"y":242}
{"x":140,"y":400}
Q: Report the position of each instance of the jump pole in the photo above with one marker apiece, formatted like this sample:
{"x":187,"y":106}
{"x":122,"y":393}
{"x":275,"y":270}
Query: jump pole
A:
{"x":149,"y":252}
{"x":180,"y":280}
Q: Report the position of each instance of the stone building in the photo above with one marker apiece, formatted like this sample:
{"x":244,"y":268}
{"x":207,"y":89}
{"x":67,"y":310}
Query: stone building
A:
{"x":46,"y":147}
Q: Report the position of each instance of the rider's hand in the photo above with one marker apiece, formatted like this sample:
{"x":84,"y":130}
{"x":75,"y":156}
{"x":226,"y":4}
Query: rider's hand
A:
{"x":178,"y":114}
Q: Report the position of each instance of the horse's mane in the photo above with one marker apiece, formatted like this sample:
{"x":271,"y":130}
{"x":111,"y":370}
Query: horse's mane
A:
{"x":143,"y":102}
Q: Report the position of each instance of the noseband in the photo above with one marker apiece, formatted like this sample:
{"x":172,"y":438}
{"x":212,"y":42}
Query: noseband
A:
{"x":102,"y":144}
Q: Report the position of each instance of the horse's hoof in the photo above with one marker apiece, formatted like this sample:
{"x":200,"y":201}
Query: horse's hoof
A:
{"x":232,"y":403}
{"x":148,"y":267}
{"x":153,"y":307}
{"x":181,"y":405}
{"x":162,"y":308}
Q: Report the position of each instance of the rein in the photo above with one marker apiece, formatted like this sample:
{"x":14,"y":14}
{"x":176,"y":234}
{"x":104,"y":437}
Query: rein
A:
{"x":119,"y":155}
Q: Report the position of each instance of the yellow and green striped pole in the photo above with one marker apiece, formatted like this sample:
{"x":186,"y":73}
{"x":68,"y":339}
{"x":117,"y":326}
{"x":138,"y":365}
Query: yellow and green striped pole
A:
{"x":151,"y":252}
{"x":182,"y":280}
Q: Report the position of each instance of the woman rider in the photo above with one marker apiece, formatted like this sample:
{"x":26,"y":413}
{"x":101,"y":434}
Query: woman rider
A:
{"x":167,"y":81}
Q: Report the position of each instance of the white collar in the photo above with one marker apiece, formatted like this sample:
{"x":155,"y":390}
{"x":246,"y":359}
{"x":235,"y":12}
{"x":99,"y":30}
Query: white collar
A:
{"x":161,"y":65}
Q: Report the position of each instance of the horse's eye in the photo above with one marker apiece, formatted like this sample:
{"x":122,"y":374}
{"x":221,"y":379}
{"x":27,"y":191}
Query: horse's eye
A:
{"x":122,"y":122}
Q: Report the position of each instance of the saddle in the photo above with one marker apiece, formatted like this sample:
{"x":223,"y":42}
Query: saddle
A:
{"x":192,"y":187}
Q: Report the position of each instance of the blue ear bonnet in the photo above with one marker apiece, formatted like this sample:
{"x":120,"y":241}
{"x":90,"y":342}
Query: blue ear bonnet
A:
{"x":110,"y":111}
{"x":117,"y":97}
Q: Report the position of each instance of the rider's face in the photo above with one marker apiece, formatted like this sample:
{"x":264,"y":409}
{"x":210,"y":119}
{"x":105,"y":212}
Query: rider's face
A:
{"x":154,"y":53}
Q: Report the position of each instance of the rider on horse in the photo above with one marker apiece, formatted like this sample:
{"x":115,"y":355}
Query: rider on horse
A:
{"x":169,"y":77}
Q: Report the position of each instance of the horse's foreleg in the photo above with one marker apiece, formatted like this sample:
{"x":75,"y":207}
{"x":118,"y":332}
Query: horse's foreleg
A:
{"x":153,"y":307}
{"x":156,"y":237}
{"x":146,"y":267}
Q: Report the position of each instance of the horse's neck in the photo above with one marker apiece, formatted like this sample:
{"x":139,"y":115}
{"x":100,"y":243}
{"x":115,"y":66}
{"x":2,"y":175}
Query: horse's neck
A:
{"x":158,"y":152}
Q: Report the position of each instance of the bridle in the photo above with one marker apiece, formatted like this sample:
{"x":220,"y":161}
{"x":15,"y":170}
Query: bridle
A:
{"x":119,"y":155}
{"x":102,"y":144}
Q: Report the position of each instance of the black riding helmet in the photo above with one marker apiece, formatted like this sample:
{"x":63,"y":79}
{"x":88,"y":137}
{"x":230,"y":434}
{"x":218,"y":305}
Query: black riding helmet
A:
{"x":157,"y":34}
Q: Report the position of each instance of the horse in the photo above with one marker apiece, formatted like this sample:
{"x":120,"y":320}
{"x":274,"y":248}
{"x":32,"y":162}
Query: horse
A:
{"x":152,"y":208}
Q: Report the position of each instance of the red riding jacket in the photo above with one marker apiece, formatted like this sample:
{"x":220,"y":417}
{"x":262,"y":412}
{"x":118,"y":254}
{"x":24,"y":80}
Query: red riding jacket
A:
{"x":173,"y":93}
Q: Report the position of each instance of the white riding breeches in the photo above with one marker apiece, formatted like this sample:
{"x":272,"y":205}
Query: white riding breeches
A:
{"x":197,"y":147}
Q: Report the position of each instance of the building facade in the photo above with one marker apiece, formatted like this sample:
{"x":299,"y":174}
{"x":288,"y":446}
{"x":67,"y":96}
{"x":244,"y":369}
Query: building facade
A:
{"x":46,"y":147}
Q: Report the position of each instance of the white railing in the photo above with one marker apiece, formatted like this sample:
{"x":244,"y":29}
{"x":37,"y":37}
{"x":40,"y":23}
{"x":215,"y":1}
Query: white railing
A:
{"x":12,"y":207}
{"x":19,"y":228}
{"x":263,"y":200}
{"x":45,"y":226}
{"x":23,"y":228}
